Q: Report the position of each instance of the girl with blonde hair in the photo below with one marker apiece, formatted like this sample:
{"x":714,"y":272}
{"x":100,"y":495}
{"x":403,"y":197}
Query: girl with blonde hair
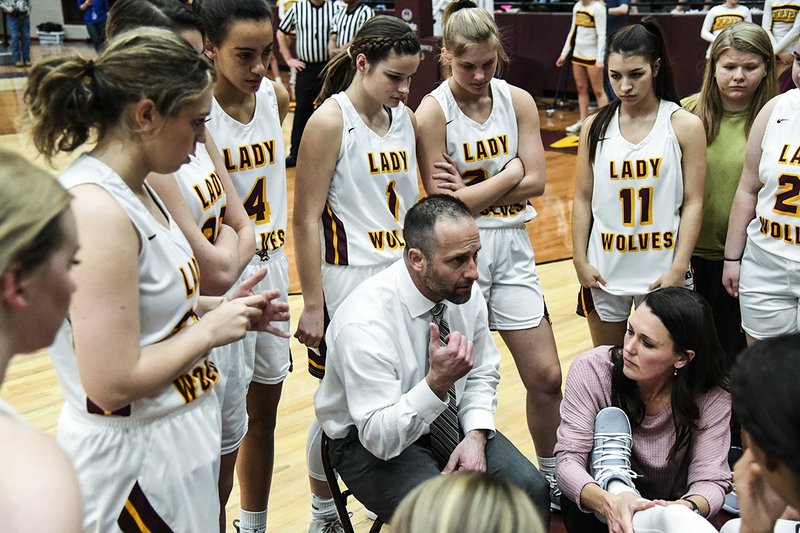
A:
{"x":140,"y":422}
{"x":466,"y":502}
{"x":38,"y":244}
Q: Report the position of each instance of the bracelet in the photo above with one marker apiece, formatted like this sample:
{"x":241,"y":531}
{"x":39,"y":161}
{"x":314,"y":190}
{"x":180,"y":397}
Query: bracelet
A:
{"x":738,"y":260}
{"x":695,"y":508}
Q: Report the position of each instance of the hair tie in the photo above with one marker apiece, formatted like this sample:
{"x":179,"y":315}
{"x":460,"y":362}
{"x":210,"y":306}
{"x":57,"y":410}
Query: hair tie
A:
{"x":463,"y":4}
{"x":349,"y":53}
{"x":89,"y":69}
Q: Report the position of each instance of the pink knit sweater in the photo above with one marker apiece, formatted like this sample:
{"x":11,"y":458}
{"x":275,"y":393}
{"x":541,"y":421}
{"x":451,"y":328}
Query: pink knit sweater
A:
{"x":702,"y":470}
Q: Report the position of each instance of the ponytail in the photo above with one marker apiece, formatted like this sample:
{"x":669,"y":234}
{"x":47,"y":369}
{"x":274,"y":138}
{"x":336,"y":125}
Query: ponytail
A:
{"x":70,"y":98}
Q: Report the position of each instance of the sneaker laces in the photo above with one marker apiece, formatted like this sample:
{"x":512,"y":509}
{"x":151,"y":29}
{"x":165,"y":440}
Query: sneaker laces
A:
{"x":555,"y":491}
{"x":334,"y":526}
{"x":614,"y":448}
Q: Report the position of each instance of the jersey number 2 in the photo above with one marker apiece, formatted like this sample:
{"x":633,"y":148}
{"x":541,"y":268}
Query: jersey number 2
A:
{"x":786,"y":202}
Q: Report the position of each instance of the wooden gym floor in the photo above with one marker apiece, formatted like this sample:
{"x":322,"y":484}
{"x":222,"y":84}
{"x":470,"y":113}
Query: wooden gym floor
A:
{"x":31,"y":386}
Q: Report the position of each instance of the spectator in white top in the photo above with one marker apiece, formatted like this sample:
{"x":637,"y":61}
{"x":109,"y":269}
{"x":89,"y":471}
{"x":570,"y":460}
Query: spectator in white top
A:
{"x":720,"y":17}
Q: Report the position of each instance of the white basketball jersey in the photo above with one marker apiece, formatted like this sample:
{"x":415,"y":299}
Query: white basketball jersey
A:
{"x":784,"y":13}
{"x":255,"y":157}
{"x":776,"y":227}
{"x":168,"y":292}
{"x":636,"y":201}
{"x":203,"y":192}
{"x":483,"y":150}
{"x":373,"y":185}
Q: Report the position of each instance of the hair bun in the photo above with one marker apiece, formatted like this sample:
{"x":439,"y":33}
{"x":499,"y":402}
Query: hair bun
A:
{"x":462,"y":4}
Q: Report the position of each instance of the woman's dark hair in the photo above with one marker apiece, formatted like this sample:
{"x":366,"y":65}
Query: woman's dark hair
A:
{"x":765,"y":390}
{"x":687,"y":318}
{"x":641,"y":39}
{"x":377,"y":38}
{"x":218,"y":15}
{"x":169,"y":14}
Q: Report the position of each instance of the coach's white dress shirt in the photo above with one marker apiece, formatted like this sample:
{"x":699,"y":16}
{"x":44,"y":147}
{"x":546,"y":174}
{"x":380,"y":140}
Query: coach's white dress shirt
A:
{"x":377,"y":352}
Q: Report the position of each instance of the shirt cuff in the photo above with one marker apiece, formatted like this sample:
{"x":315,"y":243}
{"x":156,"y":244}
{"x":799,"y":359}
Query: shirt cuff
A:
{"x":425,"y":402}
{"x":477,"y":419}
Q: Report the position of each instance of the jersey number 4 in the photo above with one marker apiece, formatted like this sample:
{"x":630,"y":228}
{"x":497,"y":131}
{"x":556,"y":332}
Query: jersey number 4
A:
{"x":628,"y":197}
{"x":256,"y":203}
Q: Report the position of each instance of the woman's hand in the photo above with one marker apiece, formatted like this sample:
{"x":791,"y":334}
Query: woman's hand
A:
{"x":561,"y":60}
{"x":674,"y":277}
{"x":310,"y":327}
{"x":731,"y":271}
{"x":619,"y":513}
{"x":589,"y":276}
{"x":446,"y":175}
{"x":272,"y":310}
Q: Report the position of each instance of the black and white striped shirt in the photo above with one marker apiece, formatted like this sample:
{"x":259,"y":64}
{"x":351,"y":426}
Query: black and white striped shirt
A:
{"x":312,"y":26}
{"x":346,"y":24}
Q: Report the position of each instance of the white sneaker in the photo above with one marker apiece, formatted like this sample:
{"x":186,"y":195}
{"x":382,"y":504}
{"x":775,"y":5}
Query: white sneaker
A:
{"x":325,"y":526}
{"x":574,"y":129}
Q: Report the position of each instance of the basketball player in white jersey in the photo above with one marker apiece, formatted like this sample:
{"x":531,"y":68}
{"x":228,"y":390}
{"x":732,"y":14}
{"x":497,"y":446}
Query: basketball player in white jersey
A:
{"x":140,"y":423}
{"x":586,"y":40}
{"x":358,"y":173}
{"x":639,"y":186}
{"x":762,"y":251}
{"x":479,"y":140}
{"x":247,"y":112}
{"x":783,"y":26}
{"x":197,"y":196}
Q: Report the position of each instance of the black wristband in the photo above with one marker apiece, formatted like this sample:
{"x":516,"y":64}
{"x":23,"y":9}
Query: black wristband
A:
{"x":732,"y":260}
{"x":695,"y":508}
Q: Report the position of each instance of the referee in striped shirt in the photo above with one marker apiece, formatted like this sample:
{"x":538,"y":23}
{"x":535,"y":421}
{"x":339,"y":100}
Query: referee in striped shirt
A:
{"x":310,"y":21}
{"x":347,"y":20}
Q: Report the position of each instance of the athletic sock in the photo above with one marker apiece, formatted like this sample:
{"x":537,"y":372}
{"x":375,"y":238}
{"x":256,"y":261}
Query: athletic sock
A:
{"x":547,"y":466}
{"x":252,"y":521}
{"x":616,"y":486}
{"x":323,"y":509}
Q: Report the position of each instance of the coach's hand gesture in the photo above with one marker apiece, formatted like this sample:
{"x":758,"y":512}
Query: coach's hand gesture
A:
{"x":448,"y":363}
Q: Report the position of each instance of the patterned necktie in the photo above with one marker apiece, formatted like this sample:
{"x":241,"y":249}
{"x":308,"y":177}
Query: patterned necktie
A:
{"x":444,"y":431}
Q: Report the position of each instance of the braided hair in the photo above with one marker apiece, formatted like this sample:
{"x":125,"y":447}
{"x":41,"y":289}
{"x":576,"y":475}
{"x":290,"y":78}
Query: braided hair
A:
{"x":376,"y":39}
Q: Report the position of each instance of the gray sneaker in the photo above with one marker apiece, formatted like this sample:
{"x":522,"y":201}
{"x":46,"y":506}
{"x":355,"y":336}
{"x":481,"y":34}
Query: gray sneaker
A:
{"x":325,"y":526}
{"x":611,"y":454}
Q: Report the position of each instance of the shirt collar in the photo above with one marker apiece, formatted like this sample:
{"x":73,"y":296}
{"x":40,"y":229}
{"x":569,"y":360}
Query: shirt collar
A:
{"x":414,"y":300}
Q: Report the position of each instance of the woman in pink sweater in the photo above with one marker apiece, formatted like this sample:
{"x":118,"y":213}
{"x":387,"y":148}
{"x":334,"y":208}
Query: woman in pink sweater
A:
{"x":669,"y":380}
